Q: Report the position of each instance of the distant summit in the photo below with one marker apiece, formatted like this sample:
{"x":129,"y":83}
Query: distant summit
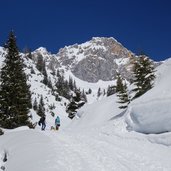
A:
{"x":98,"y":59}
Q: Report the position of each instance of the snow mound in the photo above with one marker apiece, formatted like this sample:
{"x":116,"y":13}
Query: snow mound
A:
{"x":151,"y":113}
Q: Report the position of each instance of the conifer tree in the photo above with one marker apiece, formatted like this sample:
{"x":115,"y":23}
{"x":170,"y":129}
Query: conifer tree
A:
{"x":89,"y":91}
{"x":122,"y":93}
{"x":41,"y":109}
{"x":15,"y":97}
{"x":32,"y":70}
{"x":35,"y":105}
{"x":84,"y":96}
{"x":45,"y":79}
{"x":29,"y":55}
{"x":111,"y":90}
{"x":99,"y":92}
{"x":144,"y":75}
{"x":63,"y":87}
{"x":39,"y":64}
{"x":75,"y":103}
{"x":49,"y":84}
{"x":71,"y":86}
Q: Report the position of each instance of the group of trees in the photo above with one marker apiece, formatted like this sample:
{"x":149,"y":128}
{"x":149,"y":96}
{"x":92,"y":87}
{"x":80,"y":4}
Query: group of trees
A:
{"x":69,"y":90}
{"x":143,"y":73}
{"x":39,"y":108}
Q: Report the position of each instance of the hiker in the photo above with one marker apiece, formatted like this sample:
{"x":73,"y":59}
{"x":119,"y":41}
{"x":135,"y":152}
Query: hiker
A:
{"x":57,"y":122}
{"x":42,"y":121}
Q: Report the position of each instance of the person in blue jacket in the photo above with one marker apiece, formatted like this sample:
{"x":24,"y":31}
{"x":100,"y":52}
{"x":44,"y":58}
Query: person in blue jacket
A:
{"x":57,"y":122}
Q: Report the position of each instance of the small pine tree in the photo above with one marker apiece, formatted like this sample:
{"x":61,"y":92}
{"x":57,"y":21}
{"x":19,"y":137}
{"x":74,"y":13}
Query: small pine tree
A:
{"x":104,"y":92}
{"x":75,"y":103}
{"x":122,"y":93}
{"x":144,"y":75}
{"x":29,"y":55}
{"x":44,"y":72}
{"x":74,"y":86}
{"x":72,"y":109}
{"x":39,"y":64}
{"x":84,"y":96}
{"x":32,"y":70}
{"x":41,"y":109}
{"x":89,"y":91}
{"x":1,"y":132}
{"x":35,"y":105}
{"x":111,"y":90}
{"x":49,"y":83}
{"x":99,"y":92}
{"x":71,"y":86}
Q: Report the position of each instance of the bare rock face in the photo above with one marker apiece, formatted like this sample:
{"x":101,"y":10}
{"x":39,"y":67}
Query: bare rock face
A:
{"x":98,"y":59}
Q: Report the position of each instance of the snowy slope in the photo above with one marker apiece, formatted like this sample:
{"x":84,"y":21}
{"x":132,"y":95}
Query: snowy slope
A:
{"x":101,"y":137}
{"x":151,"y":113}
{"x":96,"y":140}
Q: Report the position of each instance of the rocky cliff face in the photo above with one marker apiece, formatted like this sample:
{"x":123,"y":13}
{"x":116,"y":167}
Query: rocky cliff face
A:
{"x":97,"y":59}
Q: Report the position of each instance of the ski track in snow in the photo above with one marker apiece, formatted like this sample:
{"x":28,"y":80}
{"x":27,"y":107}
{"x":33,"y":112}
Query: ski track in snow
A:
{"x":97,"y":149}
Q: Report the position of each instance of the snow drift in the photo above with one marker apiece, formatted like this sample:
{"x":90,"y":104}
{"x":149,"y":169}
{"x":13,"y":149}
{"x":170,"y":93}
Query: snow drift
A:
{"x":151,"y":113}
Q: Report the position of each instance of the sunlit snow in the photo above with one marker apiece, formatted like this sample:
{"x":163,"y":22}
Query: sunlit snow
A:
{"x":101,"y":137}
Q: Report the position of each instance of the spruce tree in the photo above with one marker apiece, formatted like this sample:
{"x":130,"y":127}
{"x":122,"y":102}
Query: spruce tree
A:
{"x":111,"y":90}
{"x":41,"y":109}
{"x":84,"y":96}
{"x":122,"y":93}
{"x":99,"y":92}
{"x":49,"y":84}
{"x":29,"y":55}
{"x":35,"y":105}
{"x":144,"y":75}
{"x":75,"y":103}
{"x":40,"y":62}
{"x":15,"y":97}
{"x":44,"y":72}
{"x":89,"y":91}
{"x":71,"y":86}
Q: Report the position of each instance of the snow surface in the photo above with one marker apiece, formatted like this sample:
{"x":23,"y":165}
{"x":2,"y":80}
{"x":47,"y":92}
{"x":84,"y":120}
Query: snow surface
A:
{"x":96,"y":140}
{"x":101,"y":137}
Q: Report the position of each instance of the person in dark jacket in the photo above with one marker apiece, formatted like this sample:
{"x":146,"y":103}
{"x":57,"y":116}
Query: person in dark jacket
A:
{"x":42,"y":122}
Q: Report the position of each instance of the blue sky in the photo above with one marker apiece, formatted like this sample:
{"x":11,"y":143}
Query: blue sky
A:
{"x":140,"y":25}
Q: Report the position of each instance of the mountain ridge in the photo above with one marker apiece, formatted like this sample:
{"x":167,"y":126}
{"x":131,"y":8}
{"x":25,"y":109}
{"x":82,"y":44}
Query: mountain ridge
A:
{"x":98,"y":59}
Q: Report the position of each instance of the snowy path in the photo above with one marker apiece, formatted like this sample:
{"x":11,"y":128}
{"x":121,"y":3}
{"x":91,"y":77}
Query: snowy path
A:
{"x":76,"y":152}
{"x":84,"y":151}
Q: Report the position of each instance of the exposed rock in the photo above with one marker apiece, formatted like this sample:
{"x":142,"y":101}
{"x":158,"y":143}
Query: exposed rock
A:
{"x":98,"y":59}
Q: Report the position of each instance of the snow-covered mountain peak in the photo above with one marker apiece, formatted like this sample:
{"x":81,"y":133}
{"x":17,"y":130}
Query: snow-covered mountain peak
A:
{"x":97,"y":59}
{"x":42,"y":50}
